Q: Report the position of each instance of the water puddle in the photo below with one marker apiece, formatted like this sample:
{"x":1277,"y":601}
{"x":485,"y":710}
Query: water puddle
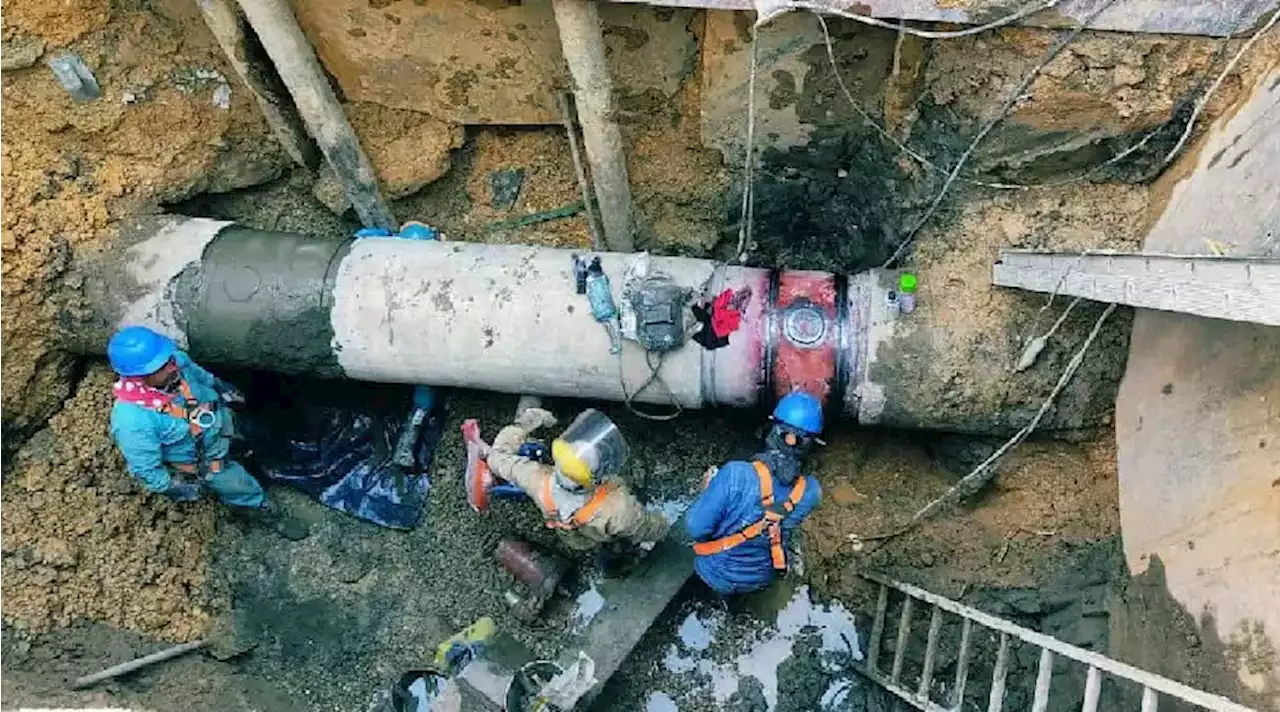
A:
{"x":671,"y":509}
{"x":827,"y":629}
{"x":660,"y":702}
{"x":586,"y":606}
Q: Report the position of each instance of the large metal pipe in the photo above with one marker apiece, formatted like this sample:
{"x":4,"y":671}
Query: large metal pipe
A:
{"x":506,"y":318}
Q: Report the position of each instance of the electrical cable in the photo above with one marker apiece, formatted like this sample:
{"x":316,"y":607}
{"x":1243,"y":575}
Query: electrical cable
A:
{"x":1204,"y":100}
{"x":655,"y":376}
{"x":1026,"y":11}
{"x":884,"y":133}
{"x":748,"y":188}
{"x":1012,"y":101}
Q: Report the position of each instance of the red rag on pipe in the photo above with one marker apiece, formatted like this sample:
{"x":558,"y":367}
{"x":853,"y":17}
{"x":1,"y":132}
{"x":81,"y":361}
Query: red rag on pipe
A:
{"x":724,"y":318}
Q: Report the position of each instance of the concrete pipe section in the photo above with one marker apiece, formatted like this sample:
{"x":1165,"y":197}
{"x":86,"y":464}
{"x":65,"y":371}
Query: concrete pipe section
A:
{"x":504,"y":318}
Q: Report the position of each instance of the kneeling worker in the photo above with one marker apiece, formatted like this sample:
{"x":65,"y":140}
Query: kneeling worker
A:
{"x":580,"y":496}
{"x":741,"y":523}
{"x":173,"y":424}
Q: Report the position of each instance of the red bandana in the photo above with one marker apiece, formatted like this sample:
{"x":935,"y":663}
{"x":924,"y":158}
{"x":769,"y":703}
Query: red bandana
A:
{"x":135,"y":390}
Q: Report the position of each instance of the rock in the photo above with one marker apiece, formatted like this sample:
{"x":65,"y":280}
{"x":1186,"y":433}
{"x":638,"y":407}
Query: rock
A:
{"x":408,"y":151}
{"x":57,"y":553}
{"x":845,"y":494}
{"x":75,"y":76}
{"x":20,"y":53}
{"x":328,"y":190}
{"x":1127,"y":75}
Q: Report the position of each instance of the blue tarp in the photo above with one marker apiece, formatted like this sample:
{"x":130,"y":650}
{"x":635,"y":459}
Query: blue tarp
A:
{"x":342,"y":458}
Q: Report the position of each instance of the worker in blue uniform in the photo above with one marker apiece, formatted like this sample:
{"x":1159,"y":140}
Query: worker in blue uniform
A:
{"x":172,"y":421}
{"x":742,"y":524}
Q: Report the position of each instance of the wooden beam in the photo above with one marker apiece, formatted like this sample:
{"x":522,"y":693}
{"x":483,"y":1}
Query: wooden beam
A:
{"x":1234,"y":288}
{"x":295,"y":61}
{"x":224,"y":22}
{"x":582,"y":39}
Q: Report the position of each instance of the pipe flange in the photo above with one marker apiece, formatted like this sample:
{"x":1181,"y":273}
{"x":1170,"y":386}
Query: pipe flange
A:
{"x":805,"y":324}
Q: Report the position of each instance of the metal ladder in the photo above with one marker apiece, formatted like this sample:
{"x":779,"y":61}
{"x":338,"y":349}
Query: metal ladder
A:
{"x":920,"y":696}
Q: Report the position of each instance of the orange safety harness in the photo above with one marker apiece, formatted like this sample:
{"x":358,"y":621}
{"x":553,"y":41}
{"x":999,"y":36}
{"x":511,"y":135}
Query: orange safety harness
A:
{"x":580,"y":518}
{"x":199,"y":418}
{"x":771,"y":522}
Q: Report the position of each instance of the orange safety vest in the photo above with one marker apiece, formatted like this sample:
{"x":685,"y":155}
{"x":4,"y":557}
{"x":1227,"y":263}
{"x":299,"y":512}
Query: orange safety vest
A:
{"x":580,"y":518}
{"x":771,"y":522}
{"x":185,"y":411}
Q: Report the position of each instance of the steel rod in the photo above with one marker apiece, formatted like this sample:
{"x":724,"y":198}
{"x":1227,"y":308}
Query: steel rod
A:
{"x":137,"y":664}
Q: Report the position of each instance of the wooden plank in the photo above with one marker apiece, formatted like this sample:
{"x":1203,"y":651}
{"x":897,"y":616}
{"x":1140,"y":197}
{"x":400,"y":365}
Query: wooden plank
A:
{"x":1235,"y":288}
{"x":295,"y":61}
{"x":1092,"y":690}
{"x":1149,"y":700}
{"x":903,"y":693}
{"x":1193,"y":17}
{"x":224,"y":22}
{"x":999,"y":675}
{"x":1044,"y":678}
{"x":1157,"y":683}
{"x":962,"y":665}
{"x":877,"y":629}
{"x":930,"y":652}
{"x":900,"y":647}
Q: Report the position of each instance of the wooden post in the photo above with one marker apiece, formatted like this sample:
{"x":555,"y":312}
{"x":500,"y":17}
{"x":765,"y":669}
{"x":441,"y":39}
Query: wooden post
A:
{"x":224,"y":22}
{"x":296,"y":63}
{"x":583,"y":43}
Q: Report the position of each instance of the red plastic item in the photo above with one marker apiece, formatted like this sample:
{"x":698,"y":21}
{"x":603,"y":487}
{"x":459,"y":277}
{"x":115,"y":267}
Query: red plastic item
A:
{"x":478,"y":476}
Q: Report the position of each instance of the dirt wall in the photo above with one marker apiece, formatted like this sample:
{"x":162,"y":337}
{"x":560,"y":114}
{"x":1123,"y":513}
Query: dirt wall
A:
{"x":72,"y":169}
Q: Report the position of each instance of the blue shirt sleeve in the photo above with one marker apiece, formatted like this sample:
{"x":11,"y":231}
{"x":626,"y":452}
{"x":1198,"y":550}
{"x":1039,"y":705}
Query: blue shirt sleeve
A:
{"x":194,"y":371}
{"x":703,"y":517}
{"x":812,"y":497}
{"x":141,"y":441}
{"x":141,"y":451}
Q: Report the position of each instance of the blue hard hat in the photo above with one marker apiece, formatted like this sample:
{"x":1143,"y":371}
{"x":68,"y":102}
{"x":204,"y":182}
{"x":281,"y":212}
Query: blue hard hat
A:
{"x":139,"y":351}
{"x":801,"y":411}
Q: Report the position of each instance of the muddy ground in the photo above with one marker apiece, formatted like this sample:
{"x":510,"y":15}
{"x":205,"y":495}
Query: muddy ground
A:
{"x":95,"y":572}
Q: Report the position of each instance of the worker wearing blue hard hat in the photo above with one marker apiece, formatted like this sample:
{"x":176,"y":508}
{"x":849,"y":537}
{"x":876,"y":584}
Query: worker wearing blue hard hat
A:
{"x":742,"y":522}
{"x":173,"y":423}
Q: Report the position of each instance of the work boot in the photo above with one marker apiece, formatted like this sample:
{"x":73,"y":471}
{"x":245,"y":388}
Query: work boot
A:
{"x":286,"y":525}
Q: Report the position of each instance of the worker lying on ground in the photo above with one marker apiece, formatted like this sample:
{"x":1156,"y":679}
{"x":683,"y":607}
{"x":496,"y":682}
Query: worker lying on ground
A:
{"x":580,"y":496}
{"x":742,"y":522}
{"x":173,"y":422}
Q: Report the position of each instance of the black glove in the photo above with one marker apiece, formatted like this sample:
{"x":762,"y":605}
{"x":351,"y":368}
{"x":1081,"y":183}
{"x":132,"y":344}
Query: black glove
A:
{"x":180,"y":491}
